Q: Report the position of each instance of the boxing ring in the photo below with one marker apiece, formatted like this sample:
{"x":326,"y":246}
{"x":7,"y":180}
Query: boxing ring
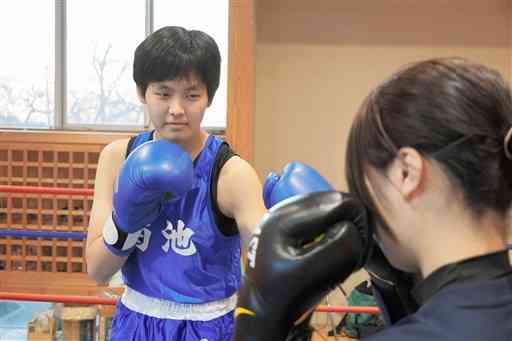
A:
{"x":81,"y":236}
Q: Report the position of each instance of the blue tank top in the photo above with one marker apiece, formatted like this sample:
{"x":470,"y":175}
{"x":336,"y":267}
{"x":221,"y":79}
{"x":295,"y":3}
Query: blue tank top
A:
{"x":183,"y":256}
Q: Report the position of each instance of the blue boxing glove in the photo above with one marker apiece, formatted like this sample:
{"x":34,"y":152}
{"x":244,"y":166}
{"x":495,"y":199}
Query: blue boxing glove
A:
{"x":153,"y":171}
{"x":296,"y":179}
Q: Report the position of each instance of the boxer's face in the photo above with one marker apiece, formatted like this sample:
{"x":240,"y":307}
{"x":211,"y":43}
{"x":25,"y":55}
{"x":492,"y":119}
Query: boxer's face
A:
{"x":395,"y":194}
{"x":388,"y":227}
{"x":176,"y":107}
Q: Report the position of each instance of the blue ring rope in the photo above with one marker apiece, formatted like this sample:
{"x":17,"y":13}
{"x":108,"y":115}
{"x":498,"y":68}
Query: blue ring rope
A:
{"x":43,"y":234}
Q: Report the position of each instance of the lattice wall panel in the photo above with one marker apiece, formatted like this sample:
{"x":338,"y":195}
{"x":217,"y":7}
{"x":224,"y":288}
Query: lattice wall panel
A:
{"x":51,"y":165}
{"x":70,"y":163}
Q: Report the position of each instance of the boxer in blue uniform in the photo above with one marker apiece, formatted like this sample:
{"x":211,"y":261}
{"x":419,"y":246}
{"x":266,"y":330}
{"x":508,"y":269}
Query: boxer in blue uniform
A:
{"x":173,"y":205}
{"x":428,"y":164}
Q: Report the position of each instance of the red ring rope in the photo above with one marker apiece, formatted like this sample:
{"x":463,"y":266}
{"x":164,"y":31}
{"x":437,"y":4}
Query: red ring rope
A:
{"x":347,"y":309}
{"x":46,"y":190}
{"x":14,"y":296}
{"x":111,"y":301}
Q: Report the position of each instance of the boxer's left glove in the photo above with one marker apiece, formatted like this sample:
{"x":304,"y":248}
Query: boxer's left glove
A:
{"x":303,"y":248}
{"x":297,"y":178}
{"x":152,"y":171}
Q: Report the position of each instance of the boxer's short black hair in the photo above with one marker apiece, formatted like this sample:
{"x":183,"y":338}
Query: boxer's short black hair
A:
{"x":173,"y":53}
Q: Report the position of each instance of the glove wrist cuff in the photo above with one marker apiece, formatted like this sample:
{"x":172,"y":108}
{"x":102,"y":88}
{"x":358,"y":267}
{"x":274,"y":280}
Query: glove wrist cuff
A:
{"x":117,"y":241}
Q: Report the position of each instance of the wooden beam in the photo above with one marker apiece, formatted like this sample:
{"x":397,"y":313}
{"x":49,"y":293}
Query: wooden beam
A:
{"x":239,"y":130}
{"x":49,"y":283}
{"x":61,"y":137}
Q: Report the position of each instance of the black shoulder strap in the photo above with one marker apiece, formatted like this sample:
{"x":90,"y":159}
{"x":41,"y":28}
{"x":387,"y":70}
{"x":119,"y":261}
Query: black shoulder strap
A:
{"x":130,"y":146}
{"x":226,"y":225}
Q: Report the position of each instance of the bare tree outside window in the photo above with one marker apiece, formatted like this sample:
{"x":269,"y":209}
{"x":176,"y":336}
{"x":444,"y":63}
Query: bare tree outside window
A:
{"x":26,"y":105}
{"x":101,"y":91}
{"x":104,"y":103}
{"x":26,"y":78}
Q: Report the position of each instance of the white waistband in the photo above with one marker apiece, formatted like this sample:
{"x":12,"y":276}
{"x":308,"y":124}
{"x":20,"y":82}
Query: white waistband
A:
{"x":164,"y":309}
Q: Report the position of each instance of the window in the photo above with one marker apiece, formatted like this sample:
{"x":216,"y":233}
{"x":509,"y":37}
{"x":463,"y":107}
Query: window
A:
{"x":212,"y":18}
{"x":27,"y":59}
{"x":100,"y":45}
{"x":70,"y":62}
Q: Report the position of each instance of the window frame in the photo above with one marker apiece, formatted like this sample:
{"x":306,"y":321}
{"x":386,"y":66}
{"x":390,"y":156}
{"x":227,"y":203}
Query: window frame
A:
{"x":240,"y":88}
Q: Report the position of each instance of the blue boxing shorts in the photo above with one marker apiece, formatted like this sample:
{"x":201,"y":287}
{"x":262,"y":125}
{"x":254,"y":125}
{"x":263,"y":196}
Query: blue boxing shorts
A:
{"x":139,"y":318}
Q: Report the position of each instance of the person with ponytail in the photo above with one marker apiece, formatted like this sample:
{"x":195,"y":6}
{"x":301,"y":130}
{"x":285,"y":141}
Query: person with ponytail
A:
{"x":429,"y":171}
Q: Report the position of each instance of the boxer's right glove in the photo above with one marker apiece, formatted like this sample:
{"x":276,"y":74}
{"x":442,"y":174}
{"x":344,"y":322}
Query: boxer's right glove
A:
{"x":391,"y":288}
{"x":151,"y":172}
{"x":305,"y":247}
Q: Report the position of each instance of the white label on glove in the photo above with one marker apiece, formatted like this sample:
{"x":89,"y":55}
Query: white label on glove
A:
{"x":252,"y":248}
{"x":110,"y":233}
